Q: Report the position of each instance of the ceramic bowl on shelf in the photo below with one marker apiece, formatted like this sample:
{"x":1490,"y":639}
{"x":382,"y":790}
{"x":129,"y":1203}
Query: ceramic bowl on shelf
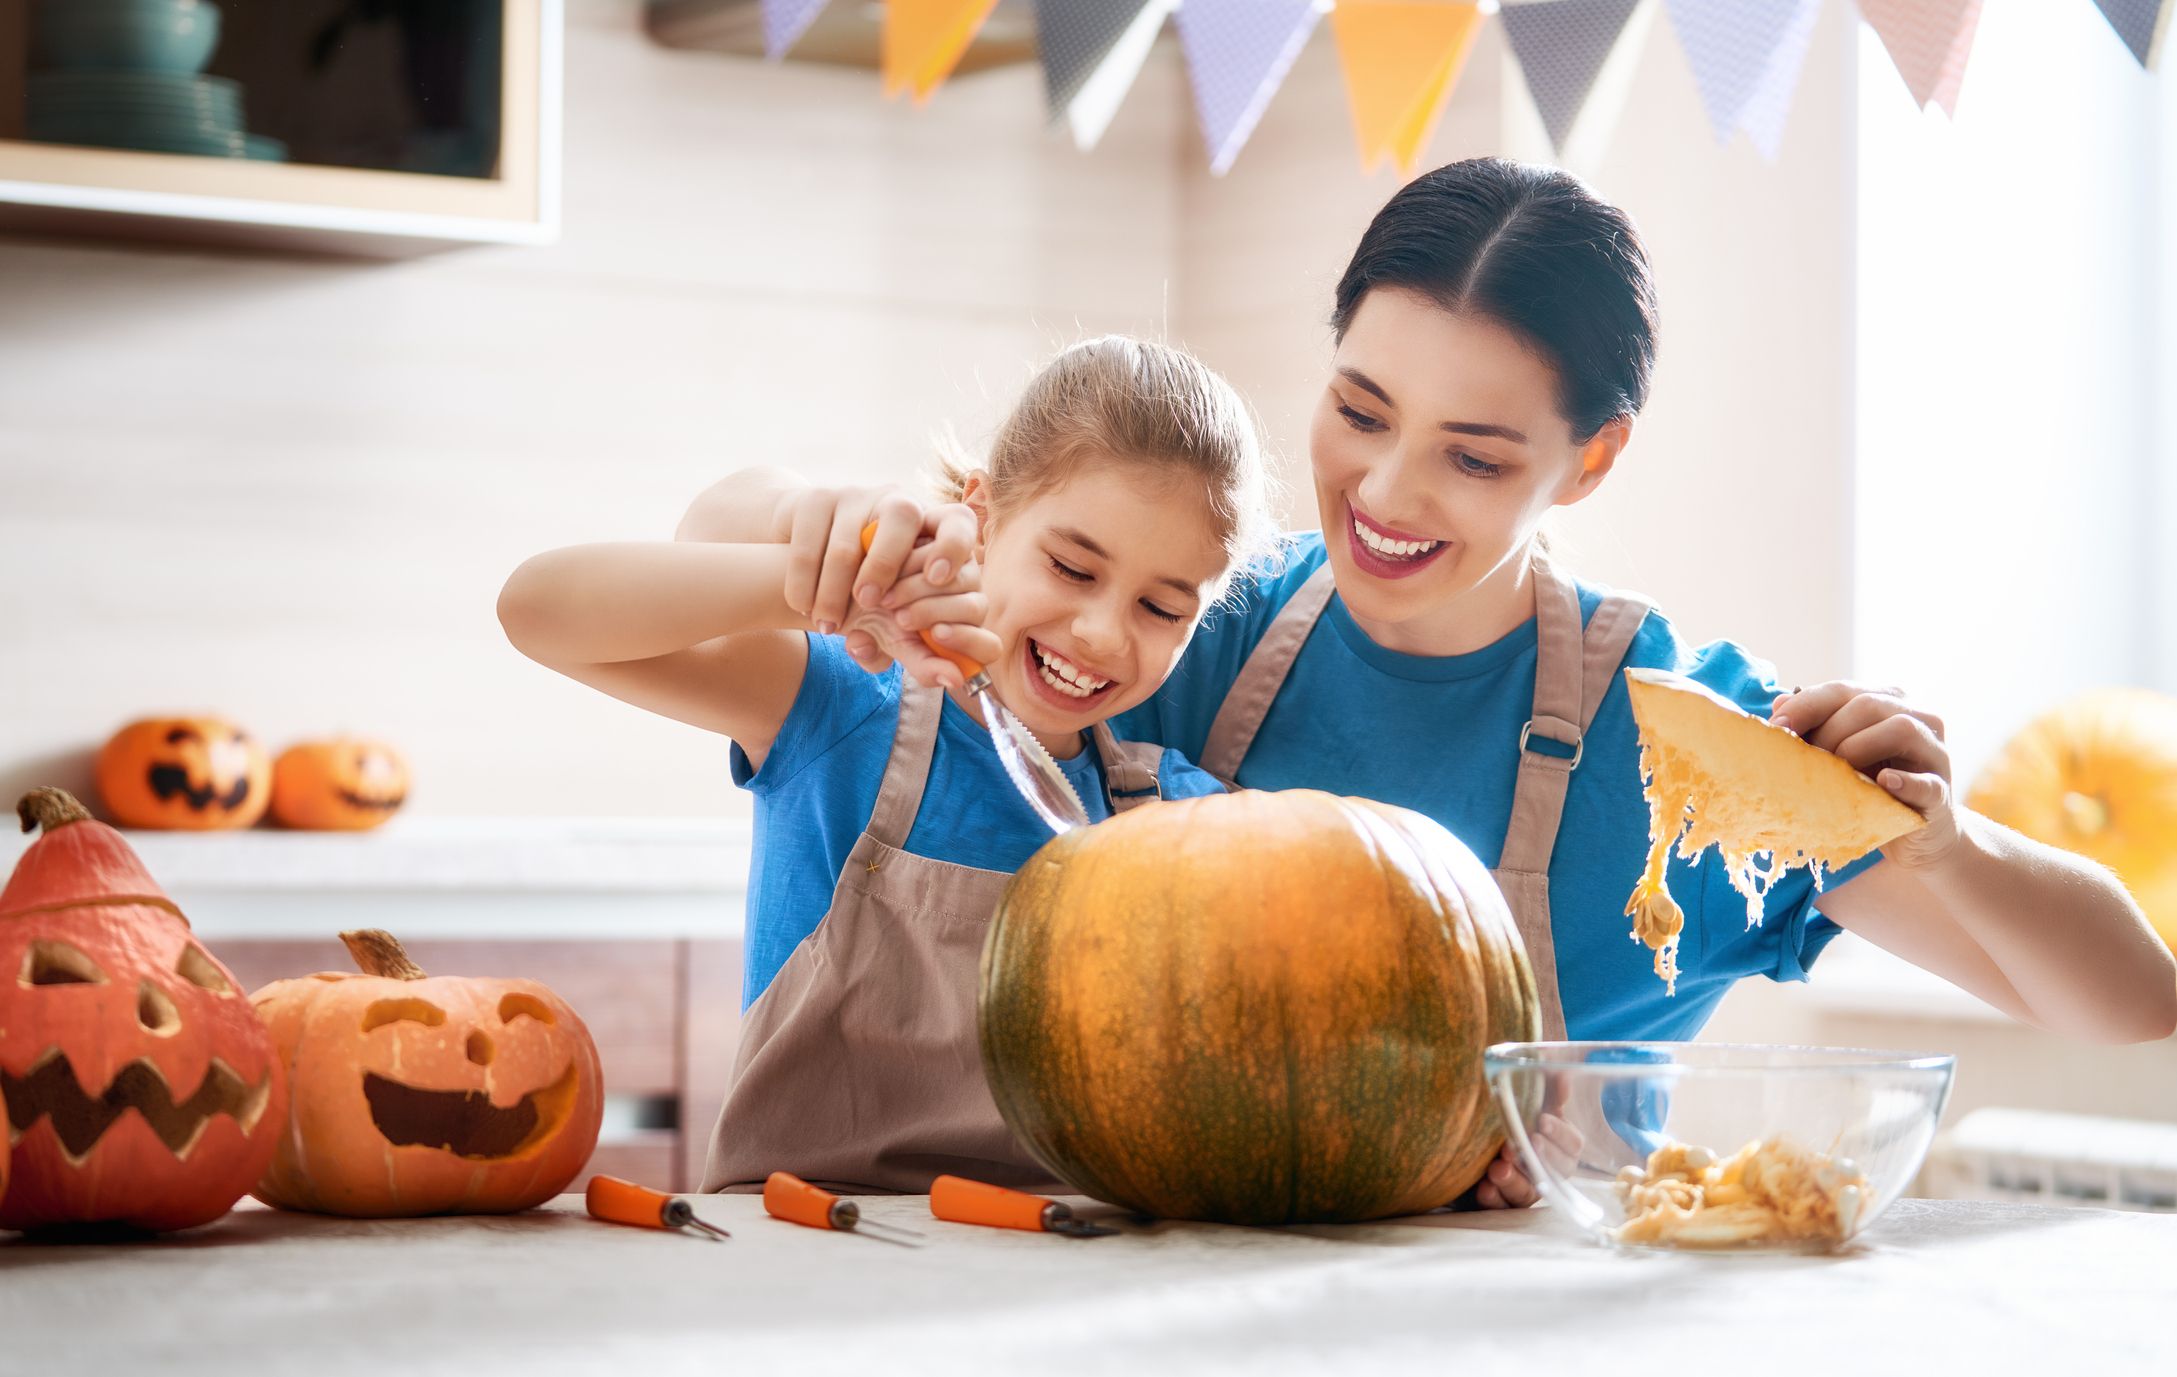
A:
{"x":124,"y":35}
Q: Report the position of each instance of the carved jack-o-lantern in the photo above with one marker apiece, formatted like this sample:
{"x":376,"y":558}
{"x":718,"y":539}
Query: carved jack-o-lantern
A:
{"x":417,"y":1094}
{"x":184,"y":773}
{"x":343,"y":785}
{"x":141,"y":1089}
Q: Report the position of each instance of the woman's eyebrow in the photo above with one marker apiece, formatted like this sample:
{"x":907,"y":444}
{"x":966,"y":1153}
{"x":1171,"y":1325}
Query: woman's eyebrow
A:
{"x":1370,"y":386}
{"x":1367,"y":384}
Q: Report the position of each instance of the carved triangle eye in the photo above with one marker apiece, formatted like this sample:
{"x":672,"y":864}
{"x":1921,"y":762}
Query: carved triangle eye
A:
{"x":200,"y":970}
{"x":48,"y":962}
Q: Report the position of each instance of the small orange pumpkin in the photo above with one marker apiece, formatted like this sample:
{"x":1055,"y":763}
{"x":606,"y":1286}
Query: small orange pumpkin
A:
{"x":195,"y":774}
{"x":414,"y":1094}
{"x":340,"y":785}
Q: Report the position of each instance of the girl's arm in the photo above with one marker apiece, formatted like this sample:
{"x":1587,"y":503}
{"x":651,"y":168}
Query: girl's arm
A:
{"x":2047,"y":936}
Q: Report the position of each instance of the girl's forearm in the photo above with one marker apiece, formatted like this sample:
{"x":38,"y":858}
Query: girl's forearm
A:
{"x":601,"y":604}
{"x":742,"y":508}
{"x":2062,"y":930}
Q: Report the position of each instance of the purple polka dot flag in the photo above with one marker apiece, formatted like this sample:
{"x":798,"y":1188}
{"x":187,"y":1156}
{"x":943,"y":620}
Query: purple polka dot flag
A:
{"x":784,"y":22}
{"x":1238,"y":52}
{"x":1929,"y":40}
{"x":1561,"y":46}
{"x":1746,"y":57}
{"x":2142,"y":24}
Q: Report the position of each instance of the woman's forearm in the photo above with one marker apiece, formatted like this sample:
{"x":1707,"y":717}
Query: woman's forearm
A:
{"x":601,"y":604}
{"x":2063,"y":931}
{"x":744,"y":508}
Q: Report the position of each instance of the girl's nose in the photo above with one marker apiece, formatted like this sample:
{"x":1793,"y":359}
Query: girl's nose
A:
{"x":1099,"y":629}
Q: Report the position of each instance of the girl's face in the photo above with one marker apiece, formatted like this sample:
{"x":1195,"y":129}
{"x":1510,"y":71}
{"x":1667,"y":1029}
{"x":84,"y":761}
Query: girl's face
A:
{"x":1438,"y":448}
{"x":1095,"y":588}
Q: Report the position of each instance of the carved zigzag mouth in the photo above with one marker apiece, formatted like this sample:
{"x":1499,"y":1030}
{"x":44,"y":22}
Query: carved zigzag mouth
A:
{"x":466,"y":1122}
{"x":382,"y":803}
{"x":51,"y":1091}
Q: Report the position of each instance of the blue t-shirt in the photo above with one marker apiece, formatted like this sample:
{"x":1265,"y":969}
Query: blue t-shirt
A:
{"x":818,"y":786}
{"x":1440,"y":735}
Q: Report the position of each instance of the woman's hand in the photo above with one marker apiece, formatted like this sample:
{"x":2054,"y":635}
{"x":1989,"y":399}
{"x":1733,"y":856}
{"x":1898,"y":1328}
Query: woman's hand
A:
{"x":953,"y":613}
{"x":1900,"y":747}
{"x":828,"y":575}
{"x":1504,"y":1186}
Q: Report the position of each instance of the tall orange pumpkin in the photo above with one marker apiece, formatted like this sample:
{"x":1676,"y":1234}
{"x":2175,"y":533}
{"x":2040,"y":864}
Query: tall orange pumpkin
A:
{"x":1256,"y":1008}
{"x":416,"y":1094}
{"x":193,"y":774}
{"x":140,"y":1087}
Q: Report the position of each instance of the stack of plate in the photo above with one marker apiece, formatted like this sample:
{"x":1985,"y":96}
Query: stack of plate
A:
{"x":125,"y":74}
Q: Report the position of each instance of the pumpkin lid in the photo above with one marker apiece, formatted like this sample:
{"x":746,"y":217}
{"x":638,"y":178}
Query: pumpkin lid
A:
{"x":77,"y":860}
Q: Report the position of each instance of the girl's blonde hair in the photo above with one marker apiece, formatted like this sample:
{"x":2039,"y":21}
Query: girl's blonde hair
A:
{"x":1145,"y":403}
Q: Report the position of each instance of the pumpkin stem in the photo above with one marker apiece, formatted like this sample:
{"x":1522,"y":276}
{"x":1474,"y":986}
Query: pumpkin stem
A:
{"x":378,"y":952}
{"x":49,"y":808}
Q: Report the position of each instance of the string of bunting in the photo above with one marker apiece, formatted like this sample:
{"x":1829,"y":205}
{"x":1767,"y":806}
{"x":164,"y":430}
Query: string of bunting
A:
{"x":1401,"y":59}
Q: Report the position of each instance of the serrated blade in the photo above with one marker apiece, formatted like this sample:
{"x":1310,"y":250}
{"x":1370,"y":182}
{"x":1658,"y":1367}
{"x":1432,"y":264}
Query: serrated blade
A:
{"x":1031,"y":768}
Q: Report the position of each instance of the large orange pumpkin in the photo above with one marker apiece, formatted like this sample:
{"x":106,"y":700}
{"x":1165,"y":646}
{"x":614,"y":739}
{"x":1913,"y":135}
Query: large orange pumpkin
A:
{"x":1257,"y":1008}
{"x":140,"y":1087}
{"x":2098,"y":776}
{"x":416,"y":1094}
{"x":192,"y":774}
{"x":341,"y":785}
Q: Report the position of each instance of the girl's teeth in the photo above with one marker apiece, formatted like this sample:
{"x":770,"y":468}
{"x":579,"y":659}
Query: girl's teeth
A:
{"x":1065,"y":677}
{"x":1393,"y":549}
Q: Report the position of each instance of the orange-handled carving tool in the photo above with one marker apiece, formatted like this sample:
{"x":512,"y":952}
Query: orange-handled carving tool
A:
{"x":1026,"y":762}
{"x":975,"y":1202}
{"x":788,"y":1197}
{"x":624,"y":1202}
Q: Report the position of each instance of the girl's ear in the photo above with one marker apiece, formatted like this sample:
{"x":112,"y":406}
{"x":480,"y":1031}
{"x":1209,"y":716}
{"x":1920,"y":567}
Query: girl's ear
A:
{"x":1597,"y":457}
{"x":976,"y":494}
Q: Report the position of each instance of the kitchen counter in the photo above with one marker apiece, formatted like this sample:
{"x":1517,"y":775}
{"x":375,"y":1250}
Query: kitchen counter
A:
{"x":1936,"y":1286}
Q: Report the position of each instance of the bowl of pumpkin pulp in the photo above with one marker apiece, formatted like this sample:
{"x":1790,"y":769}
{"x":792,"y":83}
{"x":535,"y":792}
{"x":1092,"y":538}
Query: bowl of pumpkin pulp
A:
{"x":1718,"y":1147}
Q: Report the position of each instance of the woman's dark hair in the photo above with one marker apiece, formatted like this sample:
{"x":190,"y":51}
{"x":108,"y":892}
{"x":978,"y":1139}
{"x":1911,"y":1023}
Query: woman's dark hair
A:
{"x":1534,"y":250}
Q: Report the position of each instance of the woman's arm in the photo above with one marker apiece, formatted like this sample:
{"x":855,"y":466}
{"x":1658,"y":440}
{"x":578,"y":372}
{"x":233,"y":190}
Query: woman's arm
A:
{"x":2047,"y":936}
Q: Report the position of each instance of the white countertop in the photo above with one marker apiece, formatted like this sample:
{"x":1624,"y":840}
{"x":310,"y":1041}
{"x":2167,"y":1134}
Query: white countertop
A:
{"x":1936,"y":1286}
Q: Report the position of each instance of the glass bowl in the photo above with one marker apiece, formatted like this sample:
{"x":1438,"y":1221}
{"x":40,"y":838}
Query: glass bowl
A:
{"x":1719,"y":1147}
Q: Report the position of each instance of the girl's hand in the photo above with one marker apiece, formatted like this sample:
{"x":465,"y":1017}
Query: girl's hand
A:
{"x":1504,"y":1186}
{"x":1898,"y":746}
{"x":827,"y":573}
{"x":953,"y":613}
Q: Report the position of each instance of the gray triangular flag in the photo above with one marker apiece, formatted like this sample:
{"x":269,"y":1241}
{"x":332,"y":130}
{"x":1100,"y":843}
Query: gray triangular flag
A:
{"x":1073,"y":37}
{"x":1561,"y":45}
{"x":2142,"y":24}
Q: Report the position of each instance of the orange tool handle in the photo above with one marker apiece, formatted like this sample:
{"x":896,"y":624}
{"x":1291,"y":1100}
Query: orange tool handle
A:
{"x":788,"y":1197}
{"x":965,"y":664}
{"x":974,"y":1202}
{"x":624,"y":1202}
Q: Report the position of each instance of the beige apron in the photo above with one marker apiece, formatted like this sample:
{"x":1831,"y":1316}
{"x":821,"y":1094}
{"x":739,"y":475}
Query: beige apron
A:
{"x":1572,"y":672}
{"x":859,"y":1068}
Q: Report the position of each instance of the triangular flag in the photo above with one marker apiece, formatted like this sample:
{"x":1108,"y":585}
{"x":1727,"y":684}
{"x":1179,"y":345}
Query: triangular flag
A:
{"x":2142,"y":24}
{"x":923,"y":41}
{"x":1929,"y":41}
{"x":1737,"y":49}
{"x":1238,"y":52}
{"x":784,"y":22}
{"x":1765,"y":113}
{"x":1401,"y":59}
{"x":1092,"y":50}
{"x":1561,"y":45}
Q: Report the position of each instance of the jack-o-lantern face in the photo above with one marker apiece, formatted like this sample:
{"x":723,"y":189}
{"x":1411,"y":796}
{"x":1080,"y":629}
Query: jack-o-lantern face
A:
{"x":141,"y":1089}
{"x":415,"y":1094}
{"x":184,"y":773}
{"x":342,"y":785}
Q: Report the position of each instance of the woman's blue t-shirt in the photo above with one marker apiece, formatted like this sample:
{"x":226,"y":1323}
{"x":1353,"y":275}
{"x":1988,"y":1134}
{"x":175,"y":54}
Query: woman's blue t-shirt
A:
{"x":1440,"y":735}
{"x":818,"y":786}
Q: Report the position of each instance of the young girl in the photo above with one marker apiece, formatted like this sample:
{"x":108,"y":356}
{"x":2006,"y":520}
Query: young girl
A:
{"x":1119,"y":496}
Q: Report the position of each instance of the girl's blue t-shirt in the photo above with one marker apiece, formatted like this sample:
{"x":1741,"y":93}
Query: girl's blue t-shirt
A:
{"x":818,"y":786}
{"x":1440,"y":735}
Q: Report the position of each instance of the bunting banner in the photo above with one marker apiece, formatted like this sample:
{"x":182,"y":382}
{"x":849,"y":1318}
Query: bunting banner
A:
{"x":2142,"y":24}
{"x":923,"y":41}
{"x":1401,"y":60}
{"x":784,"y":22}
{"x":1091,"y":52}
{"x":1929,"y":40}
{"x":1561,"y":46}
{"x":1238,"y":52}
{"x":1746,"y":57}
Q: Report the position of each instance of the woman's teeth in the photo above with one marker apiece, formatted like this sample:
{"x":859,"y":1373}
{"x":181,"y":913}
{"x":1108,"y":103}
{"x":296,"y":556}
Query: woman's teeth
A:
{"x":1062,"y":674}
{"x":1393,"y":549}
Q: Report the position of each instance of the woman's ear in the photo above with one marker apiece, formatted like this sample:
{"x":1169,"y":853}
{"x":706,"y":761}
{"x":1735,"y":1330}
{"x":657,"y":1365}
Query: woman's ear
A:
{"x":1597,"y":457}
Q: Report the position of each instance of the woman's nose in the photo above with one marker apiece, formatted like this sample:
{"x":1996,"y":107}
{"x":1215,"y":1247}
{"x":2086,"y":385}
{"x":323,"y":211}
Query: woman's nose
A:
{"x":1387,"y":490}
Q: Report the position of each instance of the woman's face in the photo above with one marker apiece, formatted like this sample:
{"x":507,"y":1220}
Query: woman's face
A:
{"x":1095,"y":588}
{"x":1438,"y":448}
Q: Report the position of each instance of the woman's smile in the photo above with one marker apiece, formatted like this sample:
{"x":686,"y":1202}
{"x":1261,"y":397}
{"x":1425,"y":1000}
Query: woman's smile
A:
{"x":1385,"y":551}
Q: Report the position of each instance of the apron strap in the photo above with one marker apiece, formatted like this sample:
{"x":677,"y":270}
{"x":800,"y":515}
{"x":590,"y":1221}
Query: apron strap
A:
{"x":899,"y":796}
{"x":1573,"y":671}
{"x":1249,"y":699}
{"x":1130,"y":769}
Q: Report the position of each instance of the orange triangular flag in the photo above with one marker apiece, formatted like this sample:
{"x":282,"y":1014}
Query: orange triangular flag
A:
{"x":1401,"y":59}
{"x":923,"y":40}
